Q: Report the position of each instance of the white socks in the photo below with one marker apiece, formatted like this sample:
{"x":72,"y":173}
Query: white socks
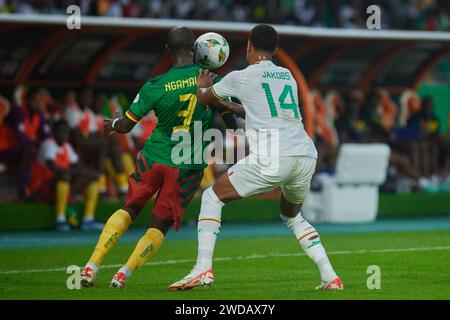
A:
{"x":208,"y":228}
{"x":93,"y":266}
{"x":310,"y":241}
{"x":125,"y":270}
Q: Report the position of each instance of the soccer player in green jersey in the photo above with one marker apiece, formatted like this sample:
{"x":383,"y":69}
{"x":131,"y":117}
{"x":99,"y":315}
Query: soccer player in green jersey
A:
{"x":172,"y":96}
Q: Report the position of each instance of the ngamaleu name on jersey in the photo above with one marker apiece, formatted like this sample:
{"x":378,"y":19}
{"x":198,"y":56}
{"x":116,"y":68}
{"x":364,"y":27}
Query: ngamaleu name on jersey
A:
{"x":180,"y":84}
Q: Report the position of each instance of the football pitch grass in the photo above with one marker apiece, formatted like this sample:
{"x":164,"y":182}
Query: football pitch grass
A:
{"x":414,"y":265}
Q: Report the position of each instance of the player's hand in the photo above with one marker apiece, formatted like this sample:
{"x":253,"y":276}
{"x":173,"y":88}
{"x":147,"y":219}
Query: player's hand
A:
{"x":108,"y":128}
{"x":205,"y":78}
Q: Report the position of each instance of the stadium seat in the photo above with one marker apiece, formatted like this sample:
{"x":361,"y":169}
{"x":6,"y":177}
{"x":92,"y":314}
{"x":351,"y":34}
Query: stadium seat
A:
{"x":352,"y":194}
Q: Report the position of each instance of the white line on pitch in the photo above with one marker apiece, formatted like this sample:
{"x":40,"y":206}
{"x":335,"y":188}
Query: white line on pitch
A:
{"x":250,"y":257}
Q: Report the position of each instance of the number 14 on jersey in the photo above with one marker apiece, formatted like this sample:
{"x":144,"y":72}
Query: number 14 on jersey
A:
{"x":283,"y":104}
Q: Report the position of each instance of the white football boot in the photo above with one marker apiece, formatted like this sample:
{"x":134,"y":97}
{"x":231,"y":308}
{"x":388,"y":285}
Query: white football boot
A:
{"x":87,"y":277}
{"x":119,"y":280}
{"x":336,"y":284}
{"x":194,"y":279}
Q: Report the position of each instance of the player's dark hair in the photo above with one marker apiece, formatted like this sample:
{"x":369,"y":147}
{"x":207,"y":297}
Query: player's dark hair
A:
{"x":180,"y":40}
{"x":264,"y":37}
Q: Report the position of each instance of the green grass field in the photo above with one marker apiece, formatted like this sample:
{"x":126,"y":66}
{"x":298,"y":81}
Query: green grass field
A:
{"x":414,"y":265}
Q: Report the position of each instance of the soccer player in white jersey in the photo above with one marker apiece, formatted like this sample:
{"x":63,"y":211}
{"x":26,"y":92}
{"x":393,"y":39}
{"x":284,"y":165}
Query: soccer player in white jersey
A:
{"x":268,"y":94}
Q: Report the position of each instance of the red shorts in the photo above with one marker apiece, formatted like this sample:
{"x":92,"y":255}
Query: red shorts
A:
{"x":176,"y":188}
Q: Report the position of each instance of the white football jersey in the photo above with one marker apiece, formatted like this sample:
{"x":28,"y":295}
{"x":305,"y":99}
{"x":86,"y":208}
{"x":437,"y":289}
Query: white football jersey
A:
{"x":269,"y":95}
{"x":75,"y":116}
{"x":49,"y":150}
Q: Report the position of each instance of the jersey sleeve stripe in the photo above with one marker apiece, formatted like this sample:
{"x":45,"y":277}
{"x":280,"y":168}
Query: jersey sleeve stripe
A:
{"x":216,"y":95}
{"x":131,"y":116}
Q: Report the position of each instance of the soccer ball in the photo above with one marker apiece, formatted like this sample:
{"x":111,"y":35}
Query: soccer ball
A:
{"x":211,"y":50}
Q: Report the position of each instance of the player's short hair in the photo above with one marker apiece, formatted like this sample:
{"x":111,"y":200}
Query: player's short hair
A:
{"x":180,"y":39}
{"x":264,"y":37}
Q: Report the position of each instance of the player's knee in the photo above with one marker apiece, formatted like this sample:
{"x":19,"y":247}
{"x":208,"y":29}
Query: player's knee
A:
{"x":160,"y":224}
{"x":290,"y":205}
{"x":133,"y":211}
{"x":211,"y":205}
{"x":210,"y":201}
{"x":210,"y":196}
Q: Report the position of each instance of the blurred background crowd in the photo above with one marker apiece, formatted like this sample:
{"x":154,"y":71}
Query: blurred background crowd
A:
{"x":396,"y":14}
{"x":420,"y":159}
{"x":52,"y":116}
{"x":420,"y":151}
{"x":33,"y":116}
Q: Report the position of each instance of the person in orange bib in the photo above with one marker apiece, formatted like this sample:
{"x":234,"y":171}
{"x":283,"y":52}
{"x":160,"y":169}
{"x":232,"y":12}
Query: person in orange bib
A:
{"x":113,"y":155}
{"x":23,"y":129}
{"x":57,"y":172}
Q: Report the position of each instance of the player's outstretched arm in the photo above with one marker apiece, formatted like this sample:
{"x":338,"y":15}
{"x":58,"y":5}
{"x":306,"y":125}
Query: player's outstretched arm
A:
{"x":120,"y":125}
{"x":204,"y":81}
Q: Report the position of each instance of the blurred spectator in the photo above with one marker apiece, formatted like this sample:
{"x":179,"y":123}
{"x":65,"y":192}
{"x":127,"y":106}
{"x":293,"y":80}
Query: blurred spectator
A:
{"x":349,"y":126}
{"x":305,"y":12}
{"x":132,"y":9}
{"x":388,"y":110}
{"x":112,"y":156}
{"x":444,"y":154}
{"x":86,"y":132}
{"x":374,"y":131}
{"x":419,"y":159}
{"x":114,"y":9}
{"x":26,"y":6}
{"x":327,"y":137}
{"x":7,"y":142}
{"x":26,"y":127}
{"x":4,"y":7}
{"x":396,"y":14}
{"x":426,"y":125}
{"x":57,"y":173}
{"x":409,"y":105}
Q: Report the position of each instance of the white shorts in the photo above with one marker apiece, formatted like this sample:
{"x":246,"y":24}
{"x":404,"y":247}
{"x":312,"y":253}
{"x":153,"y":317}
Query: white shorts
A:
{"x":292,"y":174}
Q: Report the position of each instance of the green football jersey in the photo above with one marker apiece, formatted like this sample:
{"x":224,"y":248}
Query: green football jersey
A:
{"x":172,"y":96}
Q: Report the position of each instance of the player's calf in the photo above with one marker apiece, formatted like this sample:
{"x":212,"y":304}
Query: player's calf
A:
{"x":309,"y":240}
